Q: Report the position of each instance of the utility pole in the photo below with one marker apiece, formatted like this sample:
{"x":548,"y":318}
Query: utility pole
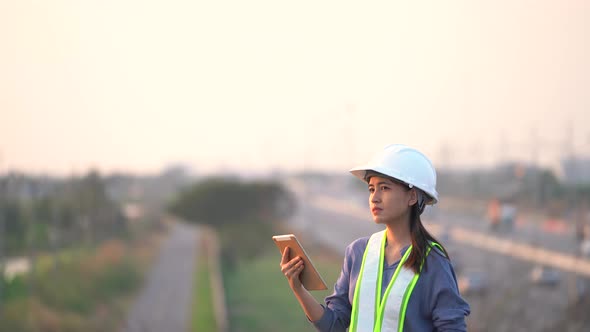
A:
{"x":568,"y":155}
{"x":535,"y":166}
{"x":569,"y":140}
{"x":502,"y":148}
{"x":534,"y":147}
{"x":570,"y":158}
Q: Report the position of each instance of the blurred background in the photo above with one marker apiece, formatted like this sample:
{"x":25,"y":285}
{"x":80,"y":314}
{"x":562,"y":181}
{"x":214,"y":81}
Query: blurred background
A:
{"x":150,"y":149}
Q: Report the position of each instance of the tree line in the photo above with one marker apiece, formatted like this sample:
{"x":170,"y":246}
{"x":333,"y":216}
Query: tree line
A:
{"x":245,"y":213}
{"x":45,"y":213}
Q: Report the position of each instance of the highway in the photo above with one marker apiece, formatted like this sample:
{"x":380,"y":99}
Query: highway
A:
{"x":508,"y":299}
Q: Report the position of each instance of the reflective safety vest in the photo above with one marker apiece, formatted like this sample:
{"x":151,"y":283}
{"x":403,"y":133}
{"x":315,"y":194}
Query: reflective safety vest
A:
{"x":370,"y":312}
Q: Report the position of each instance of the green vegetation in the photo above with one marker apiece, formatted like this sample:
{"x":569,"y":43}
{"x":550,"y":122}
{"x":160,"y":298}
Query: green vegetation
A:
{"x":203,"y":315}
{"x":46,"y":261}
{"x":86,"y":292}
{"x":259,"y":297}
{"x":66,"y":213}
{"x":86,"y":258}
{"x":217,"y":201}
{"x":244,"y":214}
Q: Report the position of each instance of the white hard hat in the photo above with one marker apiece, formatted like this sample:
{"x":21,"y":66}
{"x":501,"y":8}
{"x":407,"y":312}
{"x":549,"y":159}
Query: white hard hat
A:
{"x":405,"y":164}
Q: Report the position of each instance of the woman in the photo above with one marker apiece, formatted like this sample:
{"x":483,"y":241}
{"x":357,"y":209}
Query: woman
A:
{"x":399,"y":279}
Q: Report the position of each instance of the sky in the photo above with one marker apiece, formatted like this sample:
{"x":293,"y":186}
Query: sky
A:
{"x":253,"y":86}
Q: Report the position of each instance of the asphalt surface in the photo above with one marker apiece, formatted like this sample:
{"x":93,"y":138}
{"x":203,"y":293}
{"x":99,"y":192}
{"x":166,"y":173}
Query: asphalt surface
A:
{"x":164,"y":303}
{"x":508,"y":301}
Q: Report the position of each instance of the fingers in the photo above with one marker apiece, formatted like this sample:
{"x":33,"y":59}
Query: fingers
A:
{"x":296,"y":270}
{"x":293,"y":268}
{"x":285,"y":257}
{"x":291,"y":264}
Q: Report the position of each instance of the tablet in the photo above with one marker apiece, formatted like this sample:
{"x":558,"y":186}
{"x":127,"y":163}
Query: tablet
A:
{"x":310,"y":277}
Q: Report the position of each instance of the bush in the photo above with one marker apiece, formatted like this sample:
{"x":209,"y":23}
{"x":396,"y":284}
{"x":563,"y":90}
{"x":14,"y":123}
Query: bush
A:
{"x":118,"y":279}
{"x":68,"y":288}
{"x":14,"y":288}
{"x":84,"y":291}
{"x":77,"y":286}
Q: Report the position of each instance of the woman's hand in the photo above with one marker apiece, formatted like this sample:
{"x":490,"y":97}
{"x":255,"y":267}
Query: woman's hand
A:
{"x":292,"y":269}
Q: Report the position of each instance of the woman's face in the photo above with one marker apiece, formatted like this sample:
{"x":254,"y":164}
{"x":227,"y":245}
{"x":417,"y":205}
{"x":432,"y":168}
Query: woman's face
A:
{"x":389,"y":201}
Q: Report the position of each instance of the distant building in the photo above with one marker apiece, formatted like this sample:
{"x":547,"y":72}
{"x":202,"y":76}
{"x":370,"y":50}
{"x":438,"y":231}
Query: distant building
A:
{"x":576,"y":171}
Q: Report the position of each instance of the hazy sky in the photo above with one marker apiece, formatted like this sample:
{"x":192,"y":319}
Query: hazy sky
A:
{"x":256,"y":85}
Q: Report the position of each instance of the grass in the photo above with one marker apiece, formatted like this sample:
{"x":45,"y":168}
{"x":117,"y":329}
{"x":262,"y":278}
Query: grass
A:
{"x":86,"y":292}
{"x":202,"y":316}
{"x":259,"y":297}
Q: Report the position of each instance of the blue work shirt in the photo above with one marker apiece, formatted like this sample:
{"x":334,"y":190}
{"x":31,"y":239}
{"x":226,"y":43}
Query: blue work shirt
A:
{"x":435,"y":303}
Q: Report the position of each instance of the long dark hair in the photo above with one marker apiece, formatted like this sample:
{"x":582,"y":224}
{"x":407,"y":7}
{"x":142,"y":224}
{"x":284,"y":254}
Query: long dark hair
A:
{"x":421,"y":240}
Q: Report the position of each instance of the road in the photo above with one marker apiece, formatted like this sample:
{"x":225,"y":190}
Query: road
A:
{"x":512,"y":301}
{"x":164,"y":303}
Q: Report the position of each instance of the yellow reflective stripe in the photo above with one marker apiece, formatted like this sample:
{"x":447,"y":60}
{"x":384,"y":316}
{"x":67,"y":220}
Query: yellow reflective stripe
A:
{"x":378,"y":299}
{"x":364,"y":300}
{"x":402,"y":314}
{"x":381,"y":308}
{"x":409,"y":290}
{"x":357,"y":289}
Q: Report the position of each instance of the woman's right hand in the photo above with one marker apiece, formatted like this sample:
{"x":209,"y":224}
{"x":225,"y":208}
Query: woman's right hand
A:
{"x":292,"y":269}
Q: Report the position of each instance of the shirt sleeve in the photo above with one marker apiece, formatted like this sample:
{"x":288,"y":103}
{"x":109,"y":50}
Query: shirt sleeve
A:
{"x":449,"y":309}
{"x":337,"y":309}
